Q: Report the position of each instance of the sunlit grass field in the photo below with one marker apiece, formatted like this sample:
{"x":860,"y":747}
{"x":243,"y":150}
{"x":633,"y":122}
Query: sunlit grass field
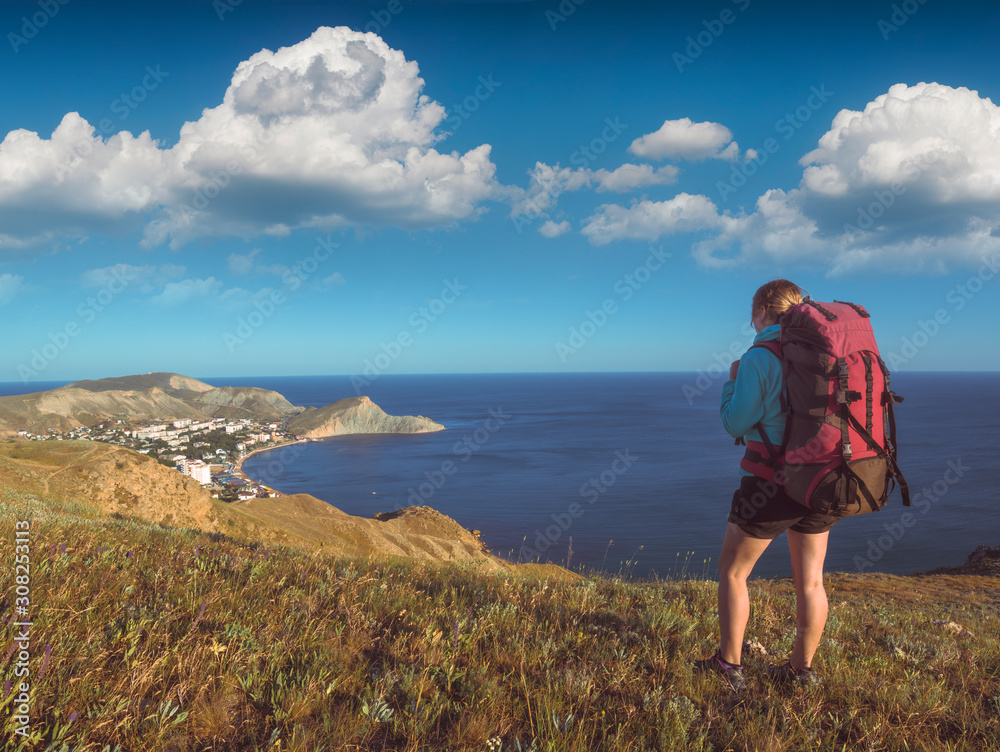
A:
{"x":151,"y":638}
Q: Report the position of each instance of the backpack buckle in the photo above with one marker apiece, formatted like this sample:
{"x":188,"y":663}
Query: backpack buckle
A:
{"x":847,"y":453}
{"x":845,"y":397}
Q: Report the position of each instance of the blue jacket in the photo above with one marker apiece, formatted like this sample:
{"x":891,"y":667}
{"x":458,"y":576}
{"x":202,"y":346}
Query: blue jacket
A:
{"x":754,"y":395}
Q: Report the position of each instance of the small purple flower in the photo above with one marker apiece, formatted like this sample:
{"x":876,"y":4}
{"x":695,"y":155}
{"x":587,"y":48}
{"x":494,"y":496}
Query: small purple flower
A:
{"x":6,"y":689}
{"x":45,"y":661}
{"x":73,"y":716}
{"x":128,"y":555}
{"x":195,"y":550}
{"x":201,"y":613}
{"x":63,"y":549}
{"x":454,"y":638}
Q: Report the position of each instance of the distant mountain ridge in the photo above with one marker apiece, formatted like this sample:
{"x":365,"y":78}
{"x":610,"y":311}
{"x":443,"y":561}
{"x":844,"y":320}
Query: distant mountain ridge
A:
{"x":171,"y":396}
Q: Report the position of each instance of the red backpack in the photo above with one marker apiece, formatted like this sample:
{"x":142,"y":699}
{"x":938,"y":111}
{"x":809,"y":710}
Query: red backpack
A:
{"x":838,"y":453}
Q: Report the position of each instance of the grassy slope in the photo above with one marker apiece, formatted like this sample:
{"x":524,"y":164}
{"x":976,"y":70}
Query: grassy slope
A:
{"x":114,"y":480}
{"x":166,"y":639}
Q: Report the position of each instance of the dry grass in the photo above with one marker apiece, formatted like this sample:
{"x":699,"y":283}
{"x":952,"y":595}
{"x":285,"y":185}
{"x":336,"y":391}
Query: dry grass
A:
{"x":165,"y":639}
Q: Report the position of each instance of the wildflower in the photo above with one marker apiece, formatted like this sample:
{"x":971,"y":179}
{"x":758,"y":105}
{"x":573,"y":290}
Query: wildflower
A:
{"x":128,"y":555}
{"x":201,"y":613}
{"x":73,"y":716}
{"x":45,"y":661}
{"x":63,"y":549}
{"x":6,"y":689}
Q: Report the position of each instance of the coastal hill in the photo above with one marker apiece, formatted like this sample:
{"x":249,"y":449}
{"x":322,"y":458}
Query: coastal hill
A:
{"x":171,"y":396}
{"x":109,"y":481}
{"x":356,"y":415}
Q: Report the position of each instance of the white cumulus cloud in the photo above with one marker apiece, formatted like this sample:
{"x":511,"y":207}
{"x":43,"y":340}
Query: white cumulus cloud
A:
{"x":628,"y":177}
{"x":649,"y":220}
{"x":685,"y":139}
{"x":330,"y":132}
{"x":554,"y":229}
{"x":911,"y":182}
{"x":176,"y":293}
{"x":142,"y":278}
{"x":10,"y":285}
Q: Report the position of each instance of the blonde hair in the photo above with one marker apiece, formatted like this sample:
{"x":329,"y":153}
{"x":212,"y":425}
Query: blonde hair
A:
{"x":776,"y":297}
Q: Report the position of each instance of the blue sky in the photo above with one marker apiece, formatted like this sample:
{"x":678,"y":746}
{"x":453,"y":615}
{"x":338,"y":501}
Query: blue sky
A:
{"x":431,"y":187}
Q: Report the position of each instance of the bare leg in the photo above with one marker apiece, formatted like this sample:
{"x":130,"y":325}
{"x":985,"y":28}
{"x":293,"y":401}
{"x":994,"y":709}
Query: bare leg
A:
{"x":739,"y":554}
{"x":808,"y":554}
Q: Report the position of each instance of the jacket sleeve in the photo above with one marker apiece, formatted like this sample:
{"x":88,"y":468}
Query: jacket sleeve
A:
{"x":743,"y":399}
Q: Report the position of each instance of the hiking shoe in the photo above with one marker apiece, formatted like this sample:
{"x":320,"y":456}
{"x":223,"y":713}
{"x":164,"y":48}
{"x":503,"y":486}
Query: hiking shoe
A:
{"x":732,"y":674}
{"x":785,"y":674}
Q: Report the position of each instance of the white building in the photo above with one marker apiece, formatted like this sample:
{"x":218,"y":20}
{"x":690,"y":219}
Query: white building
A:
{"x":197,"y":469}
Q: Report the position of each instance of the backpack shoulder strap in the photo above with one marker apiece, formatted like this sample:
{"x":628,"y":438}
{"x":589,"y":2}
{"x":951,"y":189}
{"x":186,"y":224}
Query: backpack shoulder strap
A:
{"x":774,"y":347}
{"x":771,"y":346}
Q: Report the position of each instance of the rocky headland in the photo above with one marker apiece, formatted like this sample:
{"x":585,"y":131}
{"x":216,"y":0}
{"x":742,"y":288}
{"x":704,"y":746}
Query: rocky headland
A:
{"x":356,"y":415}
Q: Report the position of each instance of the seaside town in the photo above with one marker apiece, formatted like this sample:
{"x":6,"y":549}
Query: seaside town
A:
{"x":210,"y":451}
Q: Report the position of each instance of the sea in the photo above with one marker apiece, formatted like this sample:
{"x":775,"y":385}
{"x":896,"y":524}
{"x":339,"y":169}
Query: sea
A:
{"x":630,"y":473}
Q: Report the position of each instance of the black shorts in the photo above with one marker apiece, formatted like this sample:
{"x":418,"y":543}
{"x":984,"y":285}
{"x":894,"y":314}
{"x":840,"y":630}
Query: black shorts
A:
{"x":762,"y":509}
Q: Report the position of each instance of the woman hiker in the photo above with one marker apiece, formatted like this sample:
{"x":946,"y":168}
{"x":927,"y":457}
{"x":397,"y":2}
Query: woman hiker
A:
{"x":761,"y":511}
